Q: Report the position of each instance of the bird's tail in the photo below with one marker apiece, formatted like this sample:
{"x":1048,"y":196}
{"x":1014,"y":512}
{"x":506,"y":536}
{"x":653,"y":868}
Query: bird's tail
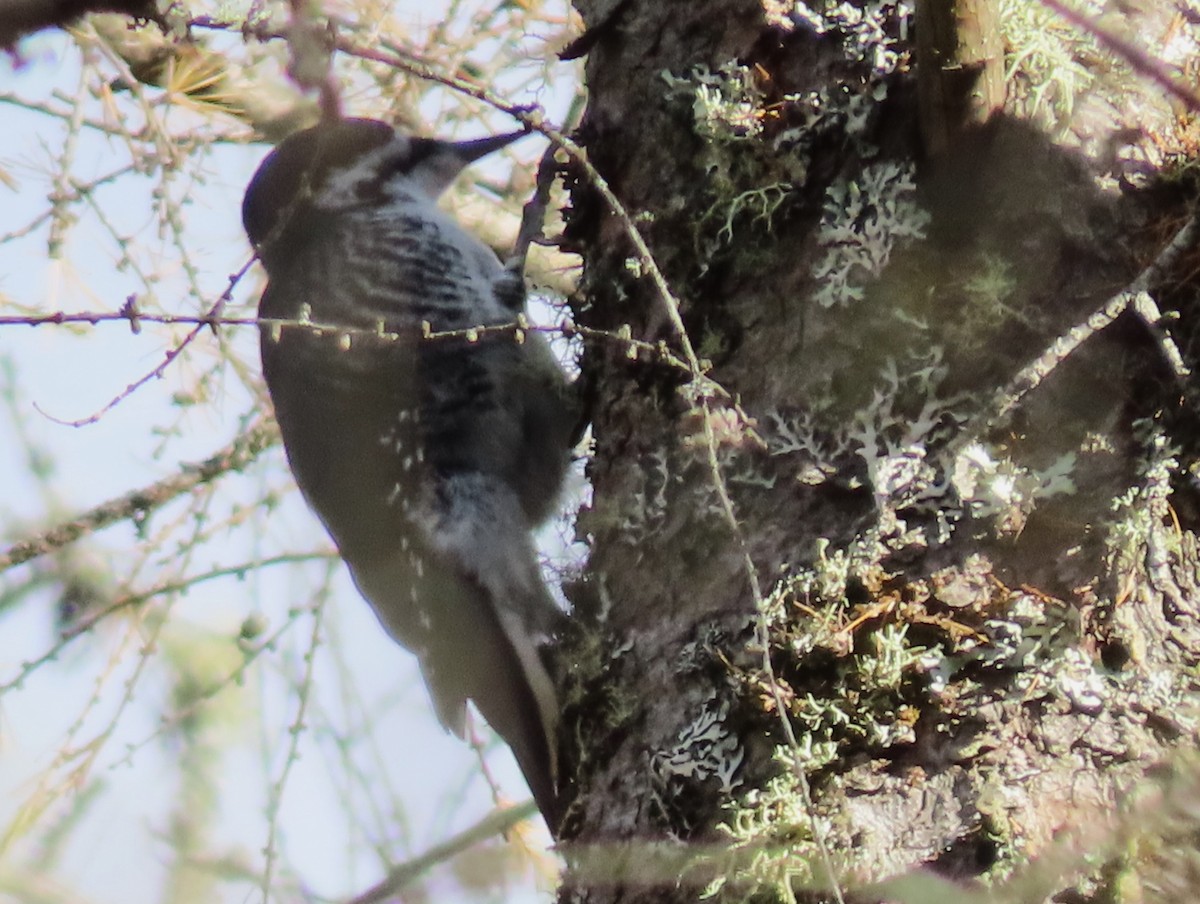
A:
{"x":473,"y":607}
{"x":515,"y":693}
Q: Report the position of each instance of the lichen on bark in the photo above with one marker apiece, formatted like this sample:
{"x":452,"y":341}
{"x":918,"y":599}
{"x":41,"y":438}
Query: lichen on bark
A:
{"x":979,"y":633}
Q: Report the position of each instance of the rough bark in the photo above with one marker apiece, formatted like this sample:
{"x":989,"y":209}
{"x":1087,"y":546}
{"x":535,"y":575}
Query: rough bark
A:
{"x":982,"y":628}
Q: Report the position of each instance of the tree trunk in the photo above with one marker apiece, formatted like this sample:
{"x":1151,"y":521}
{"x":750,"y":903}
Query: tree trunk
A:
{"x":977,"y":578}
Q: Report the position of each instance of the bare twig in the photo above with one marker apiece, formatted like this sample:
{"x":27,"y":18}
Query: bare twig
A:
{"x":478,"y":747}
{"x":633,"y":348}
{"x":295,"y":730}
{"x":77,"y":192}
{"x":92,"y":619}
{"x":495,"y":823}
{"x":139,"y":503}
{"x":134,"y":316}
{"x":1135,"y":56}
{"x":533,"y":216}
{"x":185,"y":139}
{"x":1136,"y":298}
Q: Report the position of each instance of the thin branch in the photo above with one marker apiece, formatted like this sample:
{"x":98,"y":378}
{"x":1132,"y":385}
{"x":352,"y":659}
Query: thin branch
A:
{"x":496,"y":823}
{"x":138,"y":504}
{"x":60,"y":222}
{"x":763,"y":638}
{"x":477,"y":743}
{"x":185,"y":140}
{"x":295,"y":730}
{"x":533,"y":216}
{"x":1141,"y":61}
{"x":1136,"y":298}
{"x":77,"y":193}
{"x":634,"y":348}
{"x":130,"y":312}
{"x":136,"y":599}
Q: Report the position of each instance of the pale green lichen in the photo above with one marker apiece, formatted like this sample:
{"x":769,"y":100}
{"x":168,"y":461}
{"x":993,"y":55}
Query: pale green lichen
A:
{"x":761,"y":204}
{"x":863,"y":220}
{"x":705,"y":750}
{"x":746,"y":144}
{"x":901,"y":435}
{"x":906,"y":418}
{"x":827,"y":577}
{"x":1050,"y":62}
{"x":994,"y":645}
{"x":741,"y":469}
{"x":727,"y":104}
{"x":1148,"y":554}
{"x":1140,"y":524}
{"x":645,"y":505}
{"x":892,"y":659}
{"x":992,"y":280}
{"x":771,"y":843}
{"x":869,"y":31}
{"x":865,"y":706}
{"x":771,"y":831}
{"x":730,"y":112}
{"x":863,"y":703}
{"x":753,"y":162}
{"x":995,"y":487}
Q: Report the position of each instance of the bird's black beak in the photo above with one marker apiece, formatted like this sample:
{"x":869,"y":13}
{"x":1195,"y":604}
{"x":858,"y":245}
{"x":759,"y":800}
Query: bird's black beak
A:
{"x":469,"y":151}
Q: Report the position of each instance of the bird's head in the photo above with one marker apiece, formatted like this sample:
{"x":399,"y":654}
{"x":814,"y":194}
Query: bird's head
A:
{"x":351,"y":163}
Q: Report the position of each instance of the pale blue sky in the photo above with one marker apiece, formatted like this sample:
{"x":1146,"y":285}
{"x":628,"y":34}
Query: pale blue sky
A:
{"x":119,"y":851}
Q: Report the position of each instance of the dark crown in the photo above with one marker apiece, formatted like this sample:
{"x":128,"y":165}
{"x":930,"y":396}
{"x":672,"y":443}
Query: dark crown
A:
{"x":301,"y":165}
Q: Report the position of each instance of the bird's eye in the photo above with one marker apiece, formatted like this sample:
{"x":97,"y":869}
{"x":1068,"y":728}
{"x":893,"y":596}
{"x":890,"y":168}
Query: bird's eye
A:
{"x":418,"y":151}
{"x":370,"y":189}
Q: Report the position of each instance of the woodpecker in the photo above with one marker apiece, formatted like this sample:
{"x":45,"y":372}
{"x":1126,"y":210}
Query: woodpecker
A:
{"x":429,"y":460}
